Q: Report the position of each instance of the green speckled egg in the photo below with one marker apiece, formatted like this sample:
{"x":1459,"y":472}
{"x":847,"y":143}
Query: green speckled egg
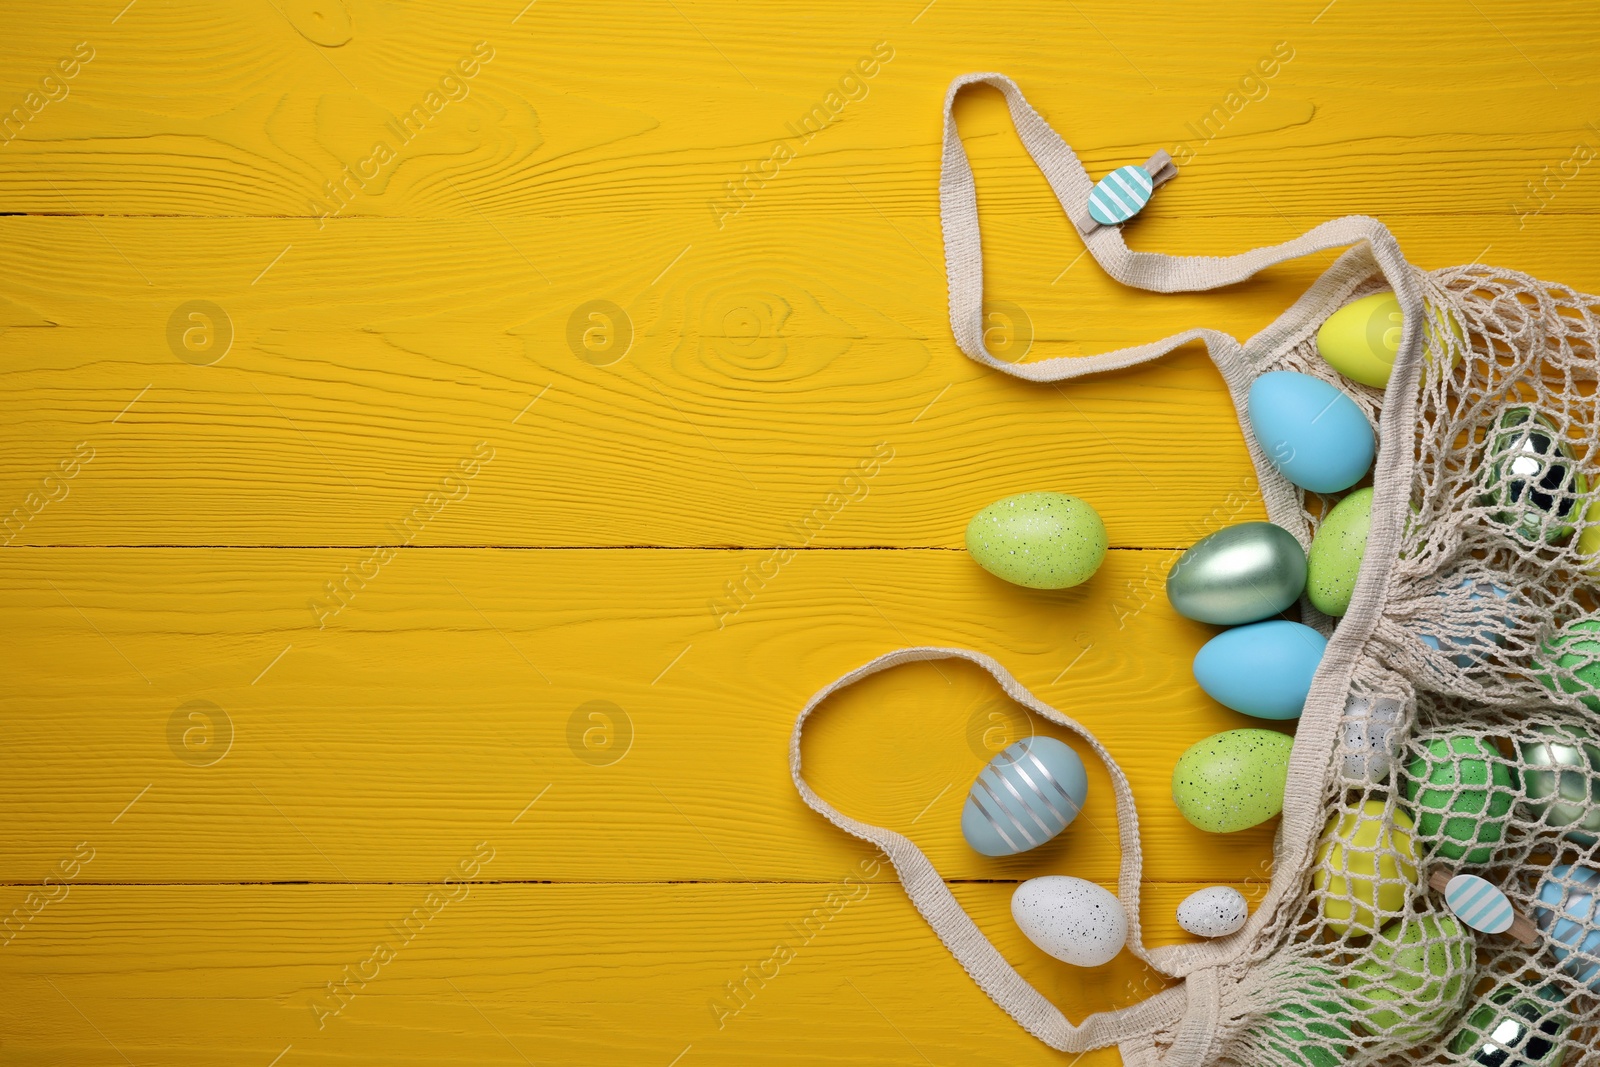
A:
{"x":1040,"y":540}
{"x":1336,"y":551}
{"x":1233,"y":780}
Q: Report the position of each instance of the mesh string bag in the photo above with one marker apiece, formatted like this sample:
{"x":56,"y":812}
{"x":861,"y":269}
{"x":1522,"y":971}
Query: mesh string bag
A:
{"x":1453,"y":725}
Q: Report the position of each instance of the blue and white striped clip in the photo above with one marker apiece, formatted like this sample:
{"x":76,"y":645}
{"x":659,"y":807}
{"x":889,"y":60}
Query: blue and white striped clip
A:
{"x":1120,"y":195}
{"x":1479,"y":904}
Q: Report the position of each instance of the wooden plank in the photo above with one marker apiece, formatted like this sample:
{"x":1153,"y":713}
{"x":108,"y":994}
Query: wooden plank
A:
{"x":188,"y":110}
{"x":356,"y":382}
{"x":510,"y":973}
{"x":456,"y":688}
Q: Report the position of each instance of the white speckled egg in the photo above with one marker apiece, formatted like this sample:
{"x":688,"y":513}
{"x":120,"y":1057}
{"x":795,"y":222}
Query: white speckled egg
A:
{"x":1370,"y":737}
{"x":1215,"y":911}
{"x":1075,"y":921}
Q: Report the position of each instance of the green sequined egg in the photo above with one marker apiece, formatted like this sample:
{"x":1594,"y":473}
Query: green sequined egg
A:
{"x":1463,"y":791}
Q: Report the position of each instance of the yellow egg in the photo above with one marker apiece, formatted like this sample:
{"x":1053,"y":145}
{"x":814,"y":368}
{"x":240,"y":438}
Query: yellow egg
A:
{"x":1361,"y":339}
{"x":1366,"y":866}
{"x":1589,"y":539}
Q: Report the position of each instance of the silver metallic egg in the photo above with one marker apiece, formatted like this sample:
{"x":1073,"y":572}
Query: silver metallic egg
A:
{"x":1562,"y":780}
{"x":1513,"y":1029}
{"x":1243,"y":573}
{"x":1532,"y":477}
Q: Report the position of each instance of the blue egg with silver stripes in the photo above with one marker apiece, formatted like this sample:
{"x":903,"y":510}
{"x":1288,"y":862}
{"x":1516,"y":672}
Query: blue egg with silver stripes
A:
{"x":1024,"y":797}
{"x":1566,"y":913}
{"x":1120,"y":195}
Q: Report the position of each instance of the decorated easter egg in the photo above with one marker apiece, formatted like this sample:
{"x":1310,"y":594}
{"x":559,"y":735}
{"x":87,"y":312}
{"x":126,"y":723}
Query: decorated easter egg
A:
{"x":1509,"y":1028}
{"x":1075,"y":921}
{"x":1026,"y":795}
{"x":1561,"y":779}
{"x":1312,"y":1027}
{"x":1532,"y":478}
{"x":1313,"y":433}
{"x":1215,"y":911}
{"x":1463,"y":792}
{"x":1120,"y":195}
{"x":1565,"y":912}
{"x":1362,"y":339}
{"x":1040,"y":540}
{"x":1241,"y":573}
{"x":1264,"y":669}
{"x":1470,"y":645}
{"x":1366,"y":866}
{"x":1336,"y":552}
{"x":1413,"y":977}
{"x":1233,"y":780}
{"x":1571,"y":661}
{"x":1589,"y":539}
{"x":1478,"y":903}
{"x":1370,"y":736}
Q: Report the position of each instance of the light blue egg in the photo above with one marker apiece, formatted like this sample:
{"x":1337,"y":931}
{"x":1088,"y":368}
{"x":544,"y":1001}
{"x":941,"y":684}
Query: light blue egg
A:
{"x":1313,"y":433}
{"x":1024,"y":797}
{"x":1566,"y":913}
{"x":1263,"y":669}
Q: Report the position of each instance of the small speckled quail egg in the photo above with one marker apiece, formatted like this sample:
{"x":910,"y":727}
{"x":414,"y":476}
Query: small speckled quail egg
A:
{"x":1215,"y":911}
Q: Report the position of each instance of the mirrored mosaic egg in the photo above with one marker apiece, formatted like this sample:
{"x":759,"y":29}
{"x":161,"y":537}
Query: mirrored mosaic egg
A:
{"x":1531,"y":477}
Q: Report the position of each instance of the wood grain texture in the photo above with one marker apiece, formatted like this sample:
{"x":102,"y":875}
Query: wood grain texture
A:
{"x":246,"y":117}
{"x":587,"y":653}
{"x":441,"y":702}
{"x":529,"y":973}
{"x":356,"y":381}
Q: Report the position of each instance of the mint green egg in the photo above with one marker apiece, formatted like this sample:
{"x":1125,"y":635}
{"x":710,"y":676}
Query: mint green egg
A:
{"x":1463,"y":791}
{"x":1038,"y":540}
{"x":1313,"y":1026}
{"x":1336,"y":553}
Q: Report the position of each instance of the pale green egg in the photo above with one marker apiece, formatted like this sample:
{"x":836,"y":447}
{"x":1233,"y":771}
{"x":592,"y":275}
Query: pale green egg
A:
{"x":1413,"y":978}
{"x":1336,"y":553}
{"x":1039,"y":540}
{"x":1233,"y":780}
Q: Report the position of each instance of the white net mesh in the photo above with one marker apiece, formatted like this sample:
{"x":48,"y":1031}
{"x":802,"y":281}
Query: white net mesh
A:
{"x":1471,"y":737}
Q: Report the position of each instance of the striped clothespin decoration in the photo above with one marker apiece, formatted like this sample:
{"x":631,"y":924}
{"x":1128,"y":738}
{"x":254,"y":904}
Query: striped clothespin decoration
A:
{"x":1123,"y":193}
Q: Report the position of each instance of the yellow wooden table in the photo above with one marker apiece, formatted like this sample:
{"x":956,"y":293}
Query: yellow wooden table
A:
{"x":403,"y":406}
